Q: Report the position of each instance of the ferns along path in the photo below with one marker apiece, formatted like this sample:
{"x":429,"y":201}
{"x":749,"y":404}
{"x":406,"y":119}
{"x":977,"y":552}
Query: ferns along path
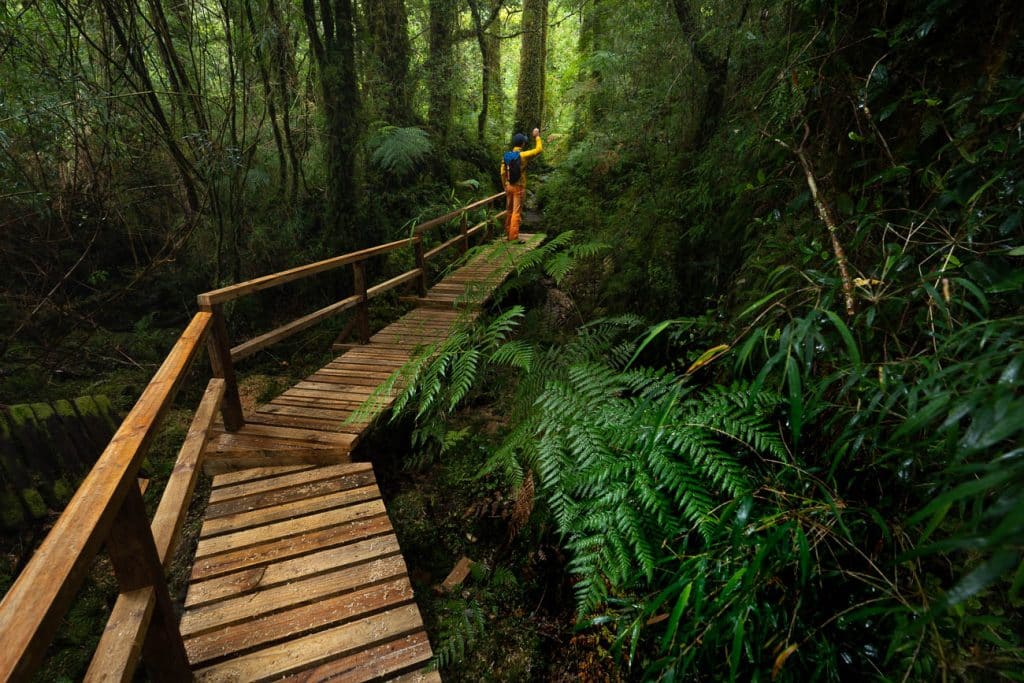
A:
{"x":297,"y":572}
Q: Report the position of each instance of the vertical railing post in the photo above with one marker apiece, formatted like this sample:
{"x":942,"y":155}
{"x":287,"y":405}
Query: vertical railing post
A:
{"x":421,"y":263}
{"x":219,"y":347}
{"x":137,"y":566}
{"x":464,"y":229}
{"x":363,"y":309}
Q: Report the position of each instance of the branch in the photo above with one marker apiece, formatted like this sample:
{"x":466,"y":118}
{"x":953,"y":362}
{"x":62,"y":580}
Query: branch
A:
{"x":825,"y":213}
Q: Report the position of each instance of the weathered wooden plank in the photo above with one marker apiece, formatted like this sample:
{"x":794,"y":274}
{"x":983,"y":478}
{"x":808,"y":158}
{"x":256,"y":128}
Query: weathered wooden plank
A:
{"x":222,"y":462}
{"x":424,"y":675}
{"x":266,"y":577}
{"x":371,"y":664}
{"x":249,"y":488}
{"x":33,"y":607}
{"x":315,"y":648}
{"x":274,"y":551}
{"x":291,"y":527}
{"x":253,"y":474}
{"x":303,"y":436}
{"x":238,"y":638}
{"x":288,"y":495}
{"x":244,"y":520}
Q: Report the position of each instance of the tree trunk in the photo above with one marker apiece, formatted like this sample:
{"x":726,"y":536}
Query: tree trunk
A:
{"x":389,"y":36}
{"x":334,"y":52}
{"x":441,"y":66}
{"x":530,"y":94}
{"x":716,"y":68}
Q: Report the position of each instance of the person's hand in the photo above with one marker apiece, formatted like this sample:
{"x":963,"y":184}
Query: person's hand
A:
{"x":536,"y":132}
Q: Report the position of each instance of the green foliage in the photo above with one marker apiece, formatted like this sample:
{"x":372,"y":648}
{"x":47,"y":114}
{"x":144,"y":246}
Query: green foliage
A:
{"x":399,"y":151}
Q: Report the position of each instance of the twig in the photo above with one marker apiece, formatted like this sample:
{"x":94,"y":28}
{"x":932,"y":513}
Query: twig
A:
{"x":825,"y":213}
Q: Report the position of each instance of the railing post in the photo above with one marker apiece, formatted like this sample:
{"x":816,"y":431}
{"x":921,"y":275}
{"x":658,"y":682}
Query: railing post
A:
{"x":363,"y":309}
{"x":219,"y":347}
{"x":421,"y":263}
{"x":464,"y":228}
{"x":137,"y":566}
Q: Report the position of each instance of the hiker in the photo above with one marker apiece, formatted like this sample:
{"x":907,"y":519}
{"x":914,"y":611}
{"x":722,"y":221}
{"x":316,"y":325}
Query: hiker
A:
{"x":513,"y":178}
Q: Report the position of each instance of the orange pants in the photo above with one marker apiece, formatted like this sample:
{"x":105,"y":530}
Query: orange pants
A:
{"x":514,"y":204}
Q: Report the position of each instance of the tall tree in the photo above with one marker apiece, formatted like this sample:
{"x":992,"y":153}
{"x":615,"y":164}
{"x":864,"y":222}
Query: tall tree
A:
{"x":332,"y":39}
{"x":388,"y":24}
{"x":532,"y":59}
{"x":444,"y":17}
{"x":715,"y":65}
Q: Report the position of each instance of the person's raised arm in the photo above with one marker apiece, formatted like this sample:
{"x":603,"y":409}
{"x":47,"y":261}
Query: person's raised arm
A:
{"x":537,"y":148}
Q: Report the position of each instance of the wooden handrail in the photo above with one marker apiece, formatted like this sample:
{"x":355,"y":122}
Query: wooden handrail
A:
{"x":34,"y":606}
{"x":119,"y":648}
{"x":212,"y":300}
{"x":441,"y":220}
{"x":232,"y":292}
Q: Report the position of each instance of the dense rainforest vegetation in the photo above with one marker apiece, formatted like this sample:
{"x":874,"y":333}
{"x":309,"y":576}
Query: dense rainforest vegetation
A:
{"x":756,"y":408}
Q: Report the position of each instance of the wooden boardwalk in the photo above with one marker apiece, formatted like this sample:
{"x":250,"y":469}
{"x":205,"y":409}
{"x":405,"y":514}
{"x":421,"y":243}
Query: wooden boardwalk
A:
{"x":298,"y":574}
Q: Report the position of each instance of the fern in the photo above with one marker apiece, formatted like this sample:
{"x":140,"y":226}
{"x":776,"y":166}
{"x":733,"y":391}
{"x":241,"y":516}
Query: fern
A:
{"x":398,"y":150}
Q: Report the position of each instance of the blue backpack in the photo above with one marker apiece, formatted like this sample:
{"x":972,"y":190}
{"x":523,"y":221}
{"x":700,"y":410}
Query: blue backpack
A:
{"x":514,"y":164}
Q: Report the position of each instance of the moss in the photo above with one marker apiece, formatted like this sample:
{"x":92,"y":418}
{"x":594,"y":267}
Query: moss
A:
{"x":12,"y":515}
{"x":34,"y":502}
{"x":21,"y":415}
{"x":64,"y":409}
{"x":106,"y":411}
{"x":63,"y":490}
{"x":86,"y":407}
{"x":5,"y":429}
{"x":43,"y":412}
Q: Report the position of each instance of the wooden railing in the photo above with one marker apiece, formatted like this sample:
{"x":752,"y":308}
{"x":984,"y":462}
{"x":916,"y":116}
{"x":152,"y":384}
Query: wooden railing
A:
{"x":107,"y":509}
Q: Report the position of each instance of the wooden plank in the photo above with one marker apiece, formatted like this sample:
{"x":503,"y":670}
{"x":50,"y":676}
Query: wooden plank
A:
{"x":241,"y":637}
{"x":373,"y":663}
{"x":275,"y":551}
{"x":304,"y":436}
{"x":315,"y":648}
{"x":33,"y":607}
{"x":281,"y":496}
{"x":291,"y":527}
{"x":253,"y":474}
{"x":291,"y":421}
{"x":246,"y":349}
{"x":229,"y":443}
{"x":212,"y":594}
{"x":244,"y":520}
{"x":424,"y":675}
{"x":284,"y":481}
{"x":241,"y":289}
{"x":298,"y":411}
{"x":233,"y":461}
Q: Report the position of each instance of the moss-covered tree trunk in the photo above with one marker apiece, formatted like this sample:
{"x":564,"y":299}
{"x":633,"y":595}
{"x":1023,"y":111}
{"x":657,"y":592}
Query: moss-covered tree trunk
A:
{"x":532,"y":57}
{"x":388,"y":24}
{"x":333,"y":44}
{"x":441,"y":65}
